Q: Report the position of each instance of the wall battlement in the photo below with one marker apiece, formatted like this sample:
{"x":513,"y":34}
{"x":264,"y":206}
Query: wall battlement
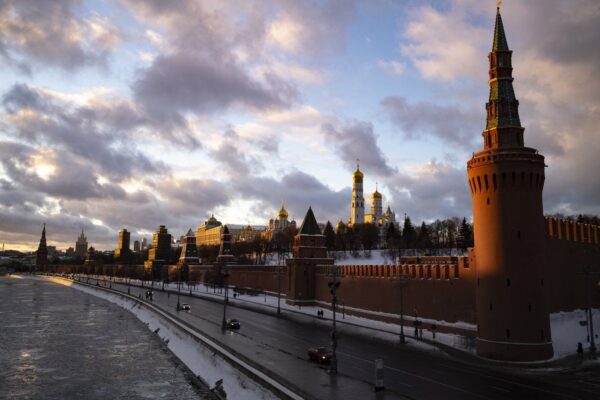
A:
{"x":436,"y":268}
{"x":563,"y":229}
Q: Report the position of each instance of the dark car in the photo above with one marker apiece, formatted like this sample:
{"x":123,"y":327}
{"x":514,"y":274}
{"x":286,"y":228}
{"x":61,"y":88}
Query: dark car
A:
{"x":233,"y":324}
{"x":185,"y":307}
{"x":319,"y":354}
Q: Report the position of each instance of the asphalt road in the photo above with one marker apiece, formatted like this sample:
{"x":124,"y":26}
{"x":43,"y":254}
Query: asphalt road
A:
{"x":280,"y":344}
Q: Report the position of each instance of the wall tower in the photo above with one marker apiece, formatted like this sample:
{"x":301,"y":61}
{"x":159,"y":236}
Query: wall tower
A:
{"x":506,"y":181}
{"x":357,"y":214}
{"x":41,"y":255}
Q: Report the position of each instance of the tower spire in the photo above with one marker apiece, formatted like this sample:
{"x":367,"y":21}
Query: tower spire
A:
{"x":503,"y":125}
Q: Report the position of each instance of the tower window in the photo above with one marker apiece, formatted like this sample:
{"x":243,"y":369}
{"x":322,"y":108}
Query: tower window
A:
{"x":479,"y":183}
{"x":488,"y":201}
{"x":519,"y":234}
{"x":491,"y":308}
{"x":508,"y":282}
{"x":485,"y":180}
{"x":529,"y":307}
{"x":494,"y":181}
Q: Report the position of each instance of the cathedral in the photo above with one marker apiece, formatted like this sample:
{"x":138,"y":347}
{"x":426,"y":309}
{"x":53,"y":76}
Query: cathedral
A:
{"x":357,"y":207}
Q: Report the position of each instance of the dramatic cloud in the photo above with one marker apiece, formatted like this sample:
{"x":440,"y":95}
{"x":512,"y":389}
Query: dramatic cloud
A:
{"x":187,"y":82}
{"x":432,"y":190}
{"x":450,"y":124}
{"x":358,"y":141}
{"x":51,"y":33}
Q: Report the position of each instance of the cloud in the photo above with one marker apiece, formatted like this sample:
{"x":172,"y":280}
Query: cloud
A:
{"x":52,"y":33}
{"x":393,"y":67}
{"x":450,"y":124}
{"x":358,"y":141}
{"x":43,"y":121}
{"x":430,"y":191}
{"x":186,"y":82}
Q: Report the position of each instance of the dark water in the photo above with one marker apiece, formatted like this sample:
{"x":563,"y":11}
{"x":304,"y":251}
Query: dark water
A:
{"x":59,"y":343}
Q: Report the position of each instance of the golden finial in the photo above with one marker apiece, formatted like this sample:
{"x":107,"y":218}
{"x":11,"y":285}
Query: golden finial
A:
{"x":357,"y":164}
{"x":499,"y":4}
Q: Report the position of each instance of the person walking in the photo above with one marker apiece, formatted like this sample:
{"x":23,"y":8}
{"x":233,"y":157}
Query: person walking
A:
{"x":579,"y":349}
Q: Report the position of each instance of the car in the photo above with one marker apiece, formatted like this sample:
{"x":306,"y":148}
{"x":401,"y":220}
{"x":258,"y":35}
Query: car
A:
{"x":185,"y":307}
{"x":321,"y":355}
{"x":233,"y":324}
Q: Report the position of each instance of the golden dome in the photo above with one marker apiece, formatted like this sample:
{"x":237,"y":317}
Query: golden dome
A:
{"x":358,"y":176}
{"x":376,"y":195}
{"x":283,"y":214}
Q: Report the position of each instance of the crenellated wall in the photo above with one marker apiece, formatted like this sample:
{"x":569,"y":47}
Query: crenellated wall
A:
{"x":440,"y":288}
{"x":563,"y":229}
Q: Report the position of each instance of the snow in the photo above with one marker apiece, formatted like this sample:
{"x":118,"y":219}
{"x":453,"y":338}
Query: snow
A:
{"x":567,"y":331}
{"x":202,"y":361}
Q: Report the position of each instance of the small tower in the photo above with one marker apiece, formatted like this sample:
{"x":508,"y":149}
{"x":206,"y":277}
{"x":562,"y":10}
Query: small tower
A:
{"x":189,"y":252}
{"x":225,"y":254}
{"x":41,"y":255}
{"x":357,"y":213}
{"x":309,"y":251}
{"x":506,"y":181}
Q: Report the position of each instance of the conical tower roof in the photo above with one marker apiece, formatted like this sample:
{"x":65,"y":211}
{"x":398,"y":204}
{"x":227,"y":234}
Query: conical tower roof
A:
{"x":309,"y":225}
{"x":500,"y":43}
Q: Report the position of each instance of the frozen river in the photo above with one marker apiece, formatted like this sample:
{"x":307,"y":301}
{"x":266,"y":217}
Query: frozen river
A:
{"x":60,"y":343}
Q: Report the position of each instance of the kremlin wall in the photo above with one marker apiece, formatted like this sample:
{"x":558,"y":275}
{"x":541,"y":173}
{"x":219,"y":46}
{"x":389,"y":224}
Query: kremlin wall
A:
{"x":522,"y":268}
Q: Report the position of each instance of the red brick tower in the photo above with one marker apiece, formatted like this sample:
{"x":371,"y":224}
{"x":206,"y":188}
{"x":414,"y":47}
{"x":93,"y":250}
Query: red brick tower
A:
{"x":309,"y":251}
{"x":506,"y":180}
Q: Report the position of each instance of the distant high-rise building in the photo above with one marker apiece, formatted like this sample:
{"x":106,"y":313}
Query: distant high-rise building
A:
{"x":41,"y":255}
{"x":144,"y":244}
{"x":136,"y":246}
{"x":81,"y":245}
{"x":123,"y":252}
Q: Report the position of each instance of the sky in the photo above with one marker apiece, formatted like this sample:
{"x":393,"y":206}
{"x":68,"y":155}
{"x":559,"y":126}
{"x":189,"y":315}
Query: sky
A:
{"x":134,"y":114}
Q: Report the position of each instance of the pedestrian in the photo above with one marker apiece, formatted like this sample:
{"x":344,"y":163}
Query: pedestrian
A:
{"x":420,"y":333}
{"x":416,"y":331}
{"x":579,"y":349}
{"x":433,"y":329}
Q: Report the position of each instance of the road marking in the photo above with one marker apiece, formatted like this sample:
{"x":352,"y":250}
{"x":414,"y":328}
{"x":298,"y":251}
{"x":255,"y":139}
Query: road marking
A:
{"x":420,"y":377}
{"x":500,"y":389}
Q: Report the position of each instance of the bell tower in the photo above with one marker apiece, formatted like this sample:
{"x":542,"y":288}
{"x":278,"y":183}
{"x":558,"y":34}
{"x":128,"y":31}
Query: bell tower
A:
{"x":506,"y":181}
{"x":357,"y":210}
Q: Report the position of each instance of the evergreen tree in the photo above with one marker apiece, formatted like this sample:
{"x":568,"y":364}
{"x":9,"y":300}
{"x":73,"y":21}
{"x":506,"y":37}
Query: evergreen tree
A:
{"x":329,"y":234}
{"x":369,"y":236}
{"x":466,"y":234}
{"x":424,"y":236}
{"x":408,"y":233}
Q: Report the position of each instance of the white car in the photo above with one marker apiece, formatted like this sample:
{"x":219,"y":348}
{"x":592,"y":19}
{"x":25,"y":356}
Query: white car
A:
{"x":185,"y":307}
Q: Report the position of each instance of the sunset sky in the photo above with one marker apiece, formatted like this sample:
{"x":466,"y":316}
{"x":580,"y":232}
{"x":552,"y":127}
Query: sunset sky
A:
{"x":124,"y":113}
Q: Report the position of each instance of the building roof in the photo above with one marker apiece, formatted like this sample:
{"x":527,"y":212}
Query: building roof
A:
{"x":309,"y":225}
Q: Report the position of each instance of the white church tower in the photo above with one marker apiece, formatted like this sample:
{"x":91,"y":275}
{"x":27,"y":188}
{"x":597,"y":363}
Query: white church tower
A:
{"x":357,"y":214}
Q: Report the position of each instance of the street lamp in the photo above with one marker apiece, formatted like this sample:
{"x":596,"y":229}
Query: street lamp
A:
{"x":401,"y":282}
{"x":278,"y":290}
{"x":178,"y":287}
{"x":333,"y":287}
{"x":225,"y":273}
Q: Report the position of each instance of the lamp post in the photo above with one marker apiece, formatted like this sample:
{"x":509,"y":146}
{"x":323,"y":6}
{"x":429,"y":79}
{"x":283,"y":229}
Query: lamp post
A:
{"x":590,"y":316}
{"x":225,"y":273}
{"x":279,"y":290}
{"x":401,"y":282}
{"x":333,"y":287}
{"x":178,"y":287}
